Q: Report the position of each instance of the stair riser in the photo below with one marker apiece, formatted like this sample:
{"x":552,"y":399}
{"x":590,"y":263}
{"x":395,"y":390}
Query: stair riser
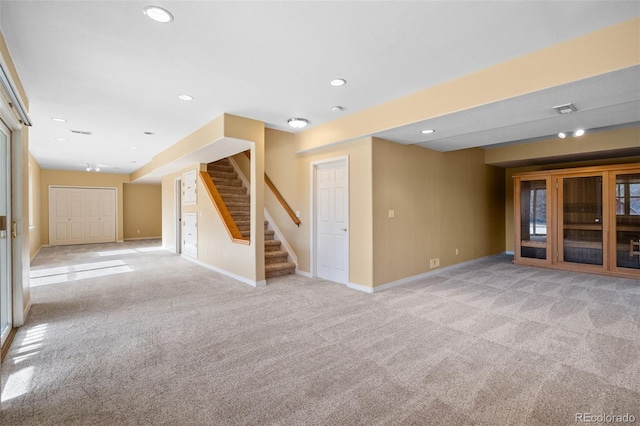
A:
{"x":236,"y":198}
{"x":226,"y":182}
{"x":220,"y":168}
{"x":271,"y":260}
{"x":273,"y":274}
{"x":238,"y":209}
{"x":238,"y":190}
{"x":215,"y":174}
{"x":272,"y":248}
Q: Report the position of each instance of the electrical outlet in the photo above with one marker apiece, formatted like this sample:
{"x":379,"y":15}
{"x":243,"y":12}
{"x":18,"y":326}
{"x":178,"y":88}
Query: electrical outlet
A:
{"x":457,"y":252}
{"x":392,"y":213}
{"x":434,"y":263}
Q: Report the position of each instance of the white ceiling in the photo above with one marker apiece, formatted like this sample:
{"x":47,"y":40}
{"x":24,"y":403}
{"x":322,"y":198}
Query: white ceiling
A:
{"x":108,"y":69}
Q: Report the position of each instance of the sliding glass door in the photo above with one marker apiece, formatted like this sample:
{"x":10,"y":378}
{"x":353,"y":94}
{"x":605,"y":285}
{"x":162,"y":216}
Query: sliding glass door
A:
{"x":5,"y":237}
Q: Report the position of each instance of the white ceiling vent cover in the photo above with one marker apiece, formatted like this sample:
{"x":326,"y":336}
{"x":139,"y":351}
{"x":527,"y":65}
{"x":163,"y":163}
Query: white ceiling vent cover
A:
{"x":565,"y":109}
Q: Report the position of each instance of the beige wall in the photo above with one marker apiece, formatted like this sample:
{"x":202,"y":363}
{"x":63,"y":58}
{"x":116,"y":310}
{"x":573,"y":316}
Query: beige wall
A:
{"x":291,"y":173}
{"x":441,"y":201}
{"x":83,"y":179}
{"x":35,"y":207}
{"x":142,"y":211}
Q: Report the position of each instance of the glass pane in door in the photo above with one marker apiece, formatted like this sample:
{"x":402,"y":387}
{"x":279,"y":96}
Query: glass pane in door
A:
{"x":628,"y":221}
{"x":5,"y":287}
{"x":582,"y":220}
{"x":533,"y":219}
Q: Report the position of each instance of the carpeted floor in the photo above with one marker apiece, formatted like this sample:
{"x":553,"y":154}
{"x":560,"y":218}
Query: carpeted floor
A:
{"x":128,"y":334}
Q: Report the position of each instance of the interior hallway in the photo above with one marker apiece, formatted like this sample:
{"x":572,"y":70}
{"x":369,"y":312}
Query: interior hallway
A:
{"x":133,"y":334}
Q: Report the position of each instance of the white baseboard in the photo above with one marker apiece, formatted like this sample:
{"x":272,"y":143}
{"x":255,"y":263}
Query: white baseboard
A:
{"x":360,"y":287}
{"x":406,"y":280}
{"x":510,"y":252}
{"x":142,"y":238}
{"x":33,"y":256}
{"x":240,"y":278}
{"x":303,"y":273}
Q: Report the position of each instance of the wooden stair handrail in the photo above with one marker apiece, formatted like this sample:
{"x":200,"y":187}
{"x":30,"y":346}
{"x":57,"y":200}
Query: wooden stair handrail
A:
{"x":279,"y":196}
{"x":221,"y":207}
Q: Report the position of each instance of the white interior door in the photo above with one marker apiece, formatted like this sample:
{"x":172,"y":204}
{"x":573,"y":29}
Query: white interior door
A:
{"x":5,"y":240}
{"x":332,"y":221}
{"x":190,"y":234}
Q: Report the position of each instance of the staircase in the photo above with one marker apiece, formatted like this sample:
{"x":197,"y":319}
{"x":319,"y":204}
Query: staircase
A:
{"x":234,"y":194}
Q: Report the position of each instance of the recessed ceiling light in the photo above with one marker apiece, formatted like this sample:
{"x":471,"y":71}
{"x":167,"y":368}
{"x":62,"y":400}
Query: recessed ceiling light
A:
{"x":59,"y":120}
{"x":427,"y":131}
{"x":158,"y":14}
{"x":337,"y":82}
{"x":61,"y":139}
{"x":134,"y":147}
{"x":88,"y":169}
{"x":148,"y":133}
{"x":578,"y":132}
{"x":562,"y":135}
{"x":337,"y":108}
{"x":298,"y":123}
{"x":186,"y":97}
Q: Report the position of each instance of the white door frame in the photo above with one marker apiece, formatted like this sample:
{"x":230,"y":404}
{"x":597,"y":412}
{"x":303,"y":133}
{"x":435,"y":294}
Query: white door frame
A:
{"x":177,"y":214}
{"x":117,"y":207}
{"x":313,"y":205}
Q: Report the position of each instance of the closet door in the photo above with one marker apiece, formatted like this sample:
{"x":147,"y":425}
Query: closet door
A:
{"x":583,"y":222}
{"x":66,"y":216}
{"x":82,"y":215}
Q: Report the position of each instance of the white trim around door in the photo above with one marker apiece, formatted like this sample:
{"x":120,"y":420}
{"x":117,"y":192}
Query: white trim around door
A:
{"x":177,"y":214}
{"x":329,"y":189}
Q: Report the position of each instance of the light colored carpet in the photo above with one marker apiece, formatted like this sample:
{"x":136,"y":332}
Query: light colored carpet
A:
{"x":144,"y":337}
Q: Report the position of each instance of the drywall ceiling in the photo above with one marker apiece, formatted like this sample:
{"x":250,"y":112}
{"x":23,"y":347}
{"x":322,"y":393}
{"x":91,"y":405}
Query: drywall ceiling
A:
{"x":108,"y":69}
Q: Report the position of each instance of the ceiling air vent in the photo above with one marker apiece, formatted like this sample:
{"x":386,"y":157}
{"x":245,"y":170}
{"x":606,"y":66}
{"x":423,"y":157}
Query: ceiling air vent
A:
{"x":80,"y":132}
{"x":565,"y":109}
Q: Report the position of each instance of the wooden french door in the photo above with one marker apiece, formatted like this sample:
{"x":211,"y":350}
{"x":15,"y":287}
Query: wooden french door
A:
{"x":582,"y":219}
{"x":625,"y":235}
{"x":583,"y":222}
